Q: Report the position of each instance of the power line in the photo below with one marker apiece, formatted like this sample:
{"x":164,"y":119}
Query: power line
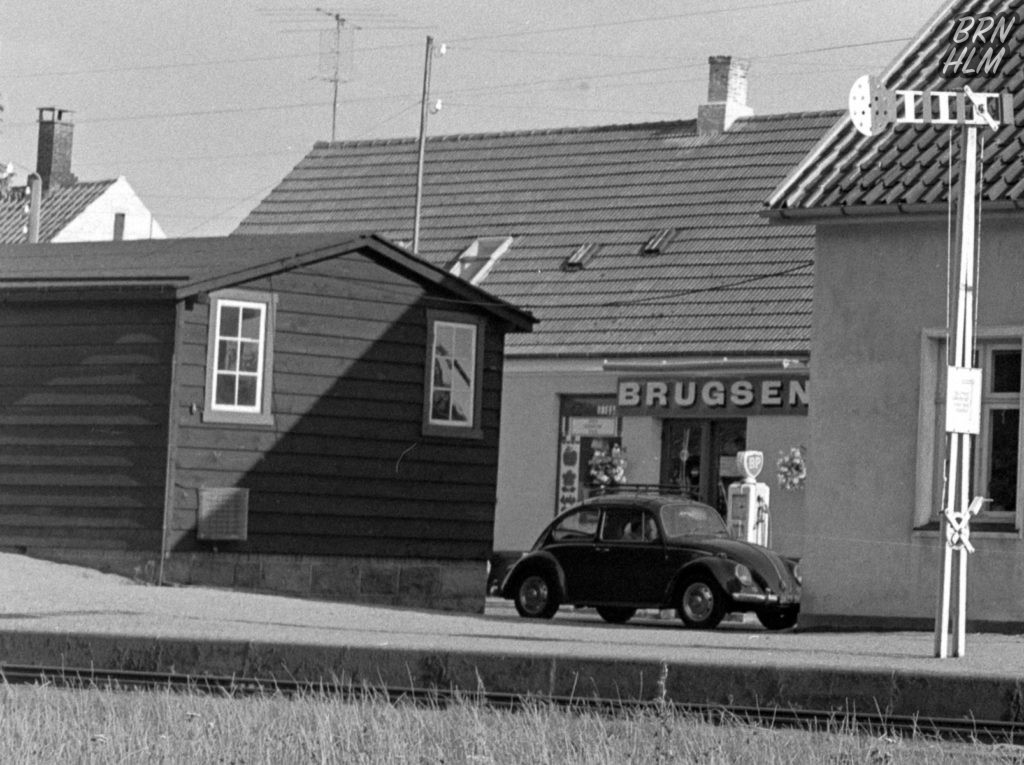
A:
{"x":630,"y":22}
{"x":154,"y":67}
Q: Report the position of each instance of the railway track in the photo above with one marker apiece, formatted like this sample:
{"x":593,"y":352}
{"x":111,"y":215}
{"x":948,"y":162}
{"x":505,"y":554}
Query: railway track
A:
{"x":876,"y":723}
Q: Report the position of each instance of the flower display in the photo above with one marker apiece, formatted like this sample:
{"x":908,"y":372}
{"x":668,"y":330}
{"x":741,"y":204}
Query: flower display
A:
{"x":792,"y":468}
{"x":608,"y":466}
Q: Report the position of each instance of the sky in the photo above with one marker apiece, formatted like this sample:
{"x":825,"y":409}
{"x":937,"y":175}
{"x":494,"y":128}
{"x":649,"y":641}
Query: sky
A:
{"x":205,"y":106}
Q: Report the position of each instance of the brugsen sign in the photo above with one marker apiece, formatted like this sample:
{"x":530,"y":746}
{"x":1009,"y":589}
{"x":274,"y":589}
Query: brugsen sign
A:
{"x":728,"y":396}
{"x":978,"y":44}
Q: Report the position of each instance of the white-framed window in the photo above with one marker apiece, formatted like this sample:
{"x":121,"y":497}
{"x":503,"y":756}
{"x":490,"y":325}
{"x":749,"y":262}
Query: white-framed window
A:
{"x":996,"y":454}
{"x":239,"y":357}
{"x":453,"y":382}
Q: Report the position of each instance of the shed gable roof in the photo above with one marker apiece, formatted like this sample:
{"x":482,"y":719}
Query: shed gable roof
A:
{"x":60,"y":205}
{"x":182,"y":268}
{"x":727,"y":282}
{"x":908,"y":168}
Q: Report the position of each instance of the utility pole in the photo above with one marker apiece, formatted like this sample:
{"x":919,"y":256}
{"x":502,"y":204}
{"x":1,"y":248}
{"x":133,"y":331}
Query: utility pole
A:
{"x":423,"y":145}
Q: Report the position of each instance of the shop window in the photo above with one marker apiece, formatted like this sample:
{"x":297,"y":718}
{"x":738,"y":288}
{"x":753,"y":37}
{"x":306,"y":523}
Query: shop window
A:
{"x":239,"y":358}
{"x":995,"y":459}
{"x":454,"y":374}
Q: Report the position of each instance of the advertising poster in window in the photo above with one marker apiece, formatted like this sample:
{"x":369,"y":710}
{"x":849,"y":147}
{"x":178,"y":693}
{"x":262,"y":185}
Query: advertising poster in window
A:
{"x":590,"y":449}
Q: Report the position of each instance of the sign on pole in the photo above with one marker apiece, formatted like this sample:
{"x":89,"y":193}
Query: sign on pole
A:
{"x":873,"y":109}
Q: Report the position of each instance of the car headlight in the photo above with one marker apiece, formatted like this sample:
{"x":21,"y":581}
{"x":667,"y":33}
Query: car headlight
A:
{"x":742,"y":573}
{"x":797,"y":573}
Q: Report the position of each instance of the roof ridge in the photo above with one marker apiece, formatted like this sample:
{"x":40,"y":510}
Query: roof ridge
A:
{"x":566,"y":130}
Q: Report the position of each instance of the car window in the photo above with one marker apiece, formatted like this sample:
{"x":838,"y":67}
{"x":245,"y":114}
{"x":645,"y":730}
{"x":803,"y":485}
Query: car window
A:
{"x":577,"y":526}
{"x":628,"y":525}
{"x":682,"y":519}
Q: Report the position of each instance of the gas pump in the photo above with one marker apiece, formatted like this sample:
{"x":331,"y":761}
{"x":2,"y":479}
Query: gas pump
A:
{"x":748,"y":501}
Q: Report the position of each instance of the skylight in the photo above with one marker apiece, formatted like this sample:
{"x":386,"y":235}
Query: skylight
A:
{"x":658,"y":241}
{"x":580,"y":256}
{"x":475,"y":262}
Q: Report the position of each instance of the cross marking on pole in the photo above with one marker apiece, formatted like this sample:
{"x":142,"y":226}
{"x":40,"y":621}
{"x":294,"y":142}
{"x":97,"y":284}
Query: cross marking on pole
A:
{"x":873,"y":109}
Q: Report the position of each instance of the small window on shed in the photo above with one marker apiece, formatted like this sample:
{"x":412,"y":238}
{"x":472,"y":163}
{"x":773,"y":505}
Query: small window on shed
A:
{"x":239,"y":357}
{"x":580,"y":256}
{"x":454,"y":375}
{"x":659,"y":241}
{"x":475,"y":262}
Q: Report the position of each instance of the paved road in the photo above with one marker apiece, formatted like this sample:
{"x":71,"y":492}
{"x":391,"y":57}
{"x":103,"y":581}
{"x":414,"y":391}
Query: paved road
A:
{"x":51,"y":613}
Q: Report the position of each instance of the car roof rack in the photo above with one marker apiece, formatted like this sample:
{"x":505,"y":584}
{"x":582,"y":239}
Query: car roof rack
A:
{"x":642,"y":488}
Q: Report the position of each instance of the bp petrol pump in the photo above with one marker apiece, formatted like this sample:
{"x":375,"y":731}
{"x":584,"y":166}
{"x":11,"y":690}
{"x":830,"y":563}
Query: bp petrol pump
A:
{"x":747,"y":509}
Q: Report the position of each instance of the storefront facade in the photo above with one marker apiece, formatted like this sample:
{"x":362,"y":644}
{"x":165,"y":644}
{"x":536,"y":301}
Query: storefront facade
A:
{"x":584,"y":425}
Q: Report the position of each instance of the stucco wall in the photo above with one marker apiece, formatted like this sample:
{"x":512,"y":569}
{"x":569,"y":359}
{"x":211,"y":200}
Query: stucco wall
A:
{"x":528,"y":444}
{"x":96,"y":223}
{"x":529,"y":441}
{"x":878,"y":285}
{"x":774,"y":435}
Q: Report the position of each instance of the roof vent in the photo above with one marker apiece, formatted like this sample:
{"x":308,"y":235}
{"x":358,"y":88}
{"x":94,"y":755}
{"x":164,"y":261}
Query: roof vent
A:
{"x":580,"y":256}
{"x":658,"y":241}
{"x":476,"y":261}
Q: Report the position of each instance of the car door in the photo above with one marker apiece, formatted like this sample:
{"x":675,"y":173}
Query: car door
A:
{"x":571,"y":542}
{"x":630,"y":557}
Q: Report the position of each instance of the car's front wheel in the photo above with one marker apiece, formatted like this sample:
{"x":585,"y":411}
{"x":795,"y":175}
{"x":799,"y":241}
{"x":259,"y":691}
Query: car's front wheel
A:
{"x":536,"y":596}
{"x":778,"y":618}
{"x":701,"y":602}
{"x":616,"y":614}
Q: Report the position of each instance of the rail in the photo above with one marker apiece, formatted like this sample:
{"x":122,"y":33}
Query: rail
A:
{"x":876,"y":723}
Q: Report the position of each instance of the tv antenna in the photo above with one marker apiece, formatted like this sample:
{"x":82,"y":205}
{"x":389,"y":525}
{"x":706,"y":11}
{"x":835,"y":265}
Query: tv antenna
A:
{"x":330,"y":54}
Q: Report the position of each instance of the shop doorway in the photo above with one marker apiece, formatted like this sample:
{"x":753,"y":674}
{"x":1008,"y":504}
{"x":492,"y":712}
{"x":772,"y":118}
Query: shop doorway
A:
{"x":699,"y":456}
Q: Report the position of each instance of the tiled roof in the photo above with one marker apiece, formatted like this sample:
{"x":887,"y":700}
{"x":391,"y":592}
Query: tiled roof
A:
{"x":728,"y":283}
{"x":908,"y":168}
{"x":60,"y":206}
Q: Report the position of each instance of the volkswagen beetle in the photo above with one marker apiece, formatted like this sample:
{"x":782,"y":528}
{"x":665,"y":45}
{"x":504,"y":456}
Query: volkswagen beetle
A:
{"x":619,"y":553}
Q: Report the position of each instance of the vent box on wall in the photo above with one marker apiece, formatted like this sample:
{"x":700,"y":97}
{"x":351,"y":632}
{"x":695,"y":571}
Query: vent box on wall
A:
{"x":223,"y":514}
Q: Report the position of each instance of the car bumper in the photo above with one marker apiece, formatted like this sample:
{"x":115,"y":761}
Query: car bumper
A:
{"x":766,"y":598}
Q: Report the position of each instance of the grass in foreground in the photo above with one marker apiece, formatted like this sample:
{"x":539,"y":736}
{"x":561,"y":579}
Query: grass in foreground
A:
{"x":41,"y":724}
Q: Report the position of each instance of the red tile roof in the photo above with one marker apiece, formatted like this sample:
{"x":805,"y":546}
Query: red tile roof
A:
{"x":728,"y":283}
{"x":907,"y":168}
{"x":60,"y":206}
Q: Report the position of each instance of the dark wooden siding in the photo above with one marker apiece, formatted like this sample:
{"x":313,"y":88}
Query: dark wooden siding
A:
{"x":345,"y":468}
{"x":83,"y":424}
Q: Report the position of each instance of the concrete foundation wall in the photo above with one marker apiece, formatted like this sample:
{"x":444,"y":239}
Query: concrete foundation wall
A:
{"x":413,"y":583}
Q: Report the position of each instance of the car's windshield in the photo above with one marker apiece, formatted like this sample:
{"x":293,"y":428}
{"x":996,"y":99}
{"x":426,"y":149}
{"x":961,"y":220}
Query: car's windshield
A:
{"x":682,"y":519}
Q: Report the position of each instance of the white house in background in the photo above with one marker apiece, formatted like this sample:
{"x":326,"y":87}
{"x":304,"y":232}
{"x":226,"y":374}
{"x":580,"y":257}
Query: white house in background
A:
{"x":73,"y":210}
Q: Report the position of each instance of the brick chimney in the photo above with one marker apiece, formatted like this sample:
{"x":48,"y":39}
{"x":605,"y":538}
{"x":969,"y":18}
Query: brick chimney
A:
{"x":53,"y":157}
{"x":727,"y":95}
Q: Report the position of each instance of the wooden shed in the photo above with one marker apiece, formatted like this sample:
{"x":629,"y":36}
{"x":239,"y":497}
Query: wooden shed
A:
{"x":306,"y":414}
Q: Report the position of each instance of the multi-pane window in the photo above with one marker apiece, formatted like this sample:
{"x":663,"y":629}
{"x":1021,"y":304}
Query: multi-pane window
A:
{"x":239,"y":357}
{"x":995,"y":453}
{"x":452,"y":395}
{"x":998,"y":444}
{"x":454,"y":371}
{"x":239,"y":372}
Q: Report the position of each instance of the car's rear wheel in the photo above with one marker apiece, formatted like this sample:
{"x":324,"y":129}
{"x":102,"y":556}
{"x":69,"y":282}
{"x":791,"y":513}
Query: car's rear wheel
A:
{"x":701,"y":602}
{"x":616,"y":614}
{"x":778,"y":618}
{"x":536,"y":596}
